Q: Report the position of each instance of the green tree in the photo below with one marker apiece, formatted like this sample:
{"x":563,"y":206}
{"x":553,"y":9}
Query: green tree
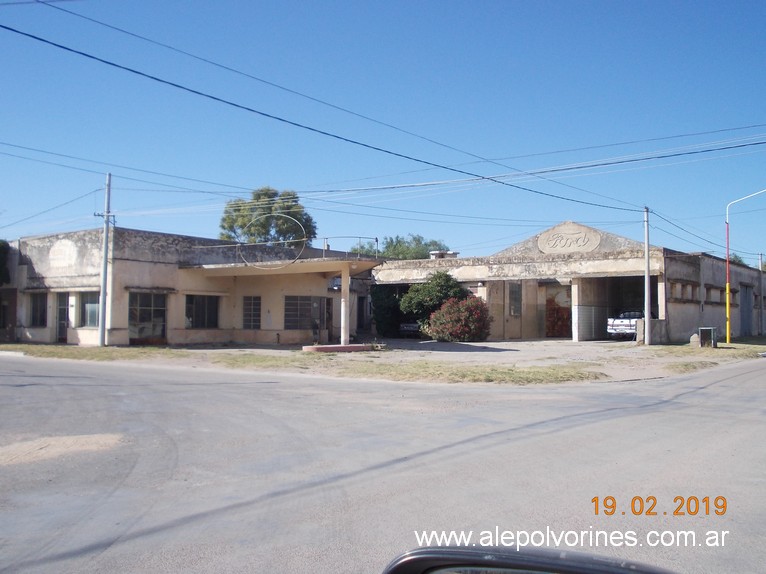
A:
{"x":270,"y":216}
{"x":410,"y":247}
{"x":424,"y":298}
{"x":735,"y":258}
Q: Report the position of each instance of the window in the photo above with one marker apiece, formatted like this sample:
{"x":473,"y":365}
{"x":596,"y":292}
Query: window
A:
{"x":202,"y":311}
{"x":39,"y":308}
{"x":298,"y":312}
{"x":304,"y":312}
{"x":251,"y":313}
{"x":89,"y":303}
{"x":146,"y":324}
{"x":514,"y":299}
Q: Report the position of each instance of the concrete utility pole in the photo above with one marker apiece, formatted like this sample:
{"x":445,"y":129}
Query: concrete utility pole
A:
{"x":647,"y":283}
{"x":104,"y":265}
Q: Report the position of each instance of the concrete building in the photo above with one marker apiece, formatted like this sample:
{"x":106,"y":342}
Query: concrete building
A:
{"x":567,"y":281}
{"x":178,"y":290}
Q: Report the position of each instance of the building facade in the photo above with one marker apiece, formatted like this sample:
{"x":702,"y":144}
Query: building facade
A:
{"x":179,"y":290}
{"x":567,"y":281}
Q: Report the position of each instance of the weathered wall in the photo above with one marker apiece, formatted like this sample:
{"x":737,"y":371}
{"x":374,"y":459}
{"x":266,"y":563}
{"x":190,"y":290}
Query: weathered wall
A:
{"x":63,"y":261}
{"x":696,"y":295}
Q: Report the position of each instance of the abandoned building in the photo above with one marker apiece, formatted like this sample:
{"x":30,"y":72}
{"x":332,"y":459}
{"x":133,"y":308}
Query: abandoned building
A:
{"x":178,"y":290}
{"x":567,"y":281}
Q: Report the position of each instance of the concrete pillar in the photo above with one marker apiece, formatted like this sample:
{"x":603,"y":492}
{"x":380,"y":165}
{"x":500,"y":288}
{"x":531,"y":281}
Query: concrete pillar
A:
{"x":575,"y":310}
{"x":345,"y":308}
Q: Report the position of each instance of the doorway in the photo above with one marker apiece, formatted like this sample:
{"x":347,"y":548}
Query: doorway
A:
{"x":62,"y":316}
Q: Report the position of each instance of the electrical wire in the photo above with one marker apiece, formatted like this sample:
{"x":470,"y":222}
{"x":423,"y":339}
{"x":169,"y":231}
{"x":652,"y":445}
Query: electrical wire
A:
{"x":150,"y":172}
{"x":51,"y":208}
{"x":300,"y":125}
{"x":393,"y":153}
{"x":320,"y":101}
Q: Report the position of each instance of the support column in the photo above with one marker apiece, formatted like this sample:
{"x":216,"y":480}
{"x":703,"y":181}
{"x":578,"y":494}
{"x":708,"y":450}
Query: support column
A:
{"x":345,"y":308}
{"x":576,"y":335}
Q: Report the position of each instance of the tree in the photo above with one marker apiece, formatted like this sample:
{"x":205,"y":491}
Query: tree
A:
{"x":424,"y":298}
{"x":735,"y":258}
{"x":410,"y":247}
{"x":269,"y":217}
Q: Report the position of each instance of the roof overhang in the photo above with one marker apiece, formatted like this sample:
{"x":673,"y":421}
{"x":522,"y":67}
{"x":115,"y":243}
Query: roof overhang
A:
{"x":327,"y":266}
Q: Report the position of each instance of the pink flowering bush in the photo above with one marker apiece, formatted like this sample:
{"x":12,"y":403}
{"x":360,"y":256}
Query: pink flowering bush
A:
{"x":460,"y":320}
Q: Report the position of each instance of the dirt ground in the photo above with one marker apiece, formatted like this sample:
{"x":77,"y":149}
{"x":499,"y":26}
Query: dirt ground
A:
{"x":610,"y":360}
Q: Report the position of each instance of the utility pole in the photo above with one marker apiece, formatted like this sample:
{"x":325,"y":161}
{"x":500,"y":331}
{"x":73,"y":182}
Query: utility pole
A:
{"x":647,"y":283}
{"x":104,"y":265}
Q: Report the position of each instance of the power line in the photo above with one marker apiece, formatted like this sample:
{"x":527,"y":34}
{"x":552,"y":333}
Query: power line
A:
{"x":302,"y":126}
{"x":636,"y":141}
{"x":48,"y":3}
{"x":150,"y":172}
{"x":649,"y":158}
{"x":51,"y":208}
{"x":15,"y":2}
{"x":320,"y":101}
{"x":246,"y":204}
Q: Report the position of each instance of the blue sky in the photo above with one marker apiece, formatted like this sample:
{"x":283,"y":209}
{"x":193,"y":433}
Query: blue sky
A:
{"x":543,"y":98}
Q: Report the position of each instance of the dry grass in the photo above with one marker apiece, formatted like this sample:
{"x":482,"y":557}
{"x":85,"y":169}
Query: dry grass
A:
{"x":745,"y":349}
{"x":455,"y":373}
{"x":367,"y":367}
{"x":96,"y":353}
{"x":296,"y":360}
{"x":403,"y":365}
{"x":690,"y":366}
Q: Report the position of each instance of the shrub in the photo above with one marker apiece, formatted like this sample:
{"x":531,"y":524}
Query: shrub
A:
{"x":460,"y":320}
{"x":423,"y":299}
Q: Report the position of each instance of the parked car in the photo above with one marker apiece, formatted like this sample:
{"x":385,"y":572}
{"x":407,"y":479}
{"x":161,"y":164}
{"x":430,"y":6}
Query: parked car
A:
{"x":411,"y":329}
{"x":624,"y":325}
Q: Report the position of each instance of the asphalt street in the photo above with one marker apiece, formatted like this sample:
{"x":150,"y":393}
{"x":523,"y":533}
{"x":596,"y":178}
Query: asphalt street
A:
{"x":122,"y":467}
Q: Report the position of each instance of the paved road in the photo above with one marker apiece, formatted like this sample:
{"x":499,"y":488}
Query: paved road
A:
{"x":132,"y":468}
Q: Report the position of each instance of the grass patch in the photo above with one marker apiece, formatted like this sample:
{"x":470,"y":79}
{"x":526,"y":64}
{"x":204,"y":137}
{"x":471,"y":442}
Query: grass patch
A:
{"x":366,"y":367}
{"x":745,"y":349}
{"x":454,"y":373}
{"x":295,"y":360}
{"x":95,"y":353}
{"x":690,"y":366}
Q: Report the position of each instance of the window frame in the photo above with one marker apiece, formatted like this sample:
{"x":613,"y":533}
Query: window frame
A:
{"x":86,"y":306}
{"x":251,"y":312}
{"x":202,"y":311}
{"x":38,"y":309}
{"x":514,"y":298}
{"x":146,"y":308}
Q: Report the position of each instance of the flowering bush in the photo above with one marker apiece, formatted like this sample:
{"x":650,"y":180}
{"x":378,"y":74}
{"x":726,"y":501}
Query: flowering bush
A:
{"x":460,"y":321}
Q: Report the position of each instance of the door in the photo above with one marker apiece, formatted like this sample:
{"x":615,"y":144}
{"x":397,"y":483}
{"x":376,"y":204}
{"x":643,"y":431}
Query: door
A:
{"x":558,"y":311}
{"x":62,"y":317}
